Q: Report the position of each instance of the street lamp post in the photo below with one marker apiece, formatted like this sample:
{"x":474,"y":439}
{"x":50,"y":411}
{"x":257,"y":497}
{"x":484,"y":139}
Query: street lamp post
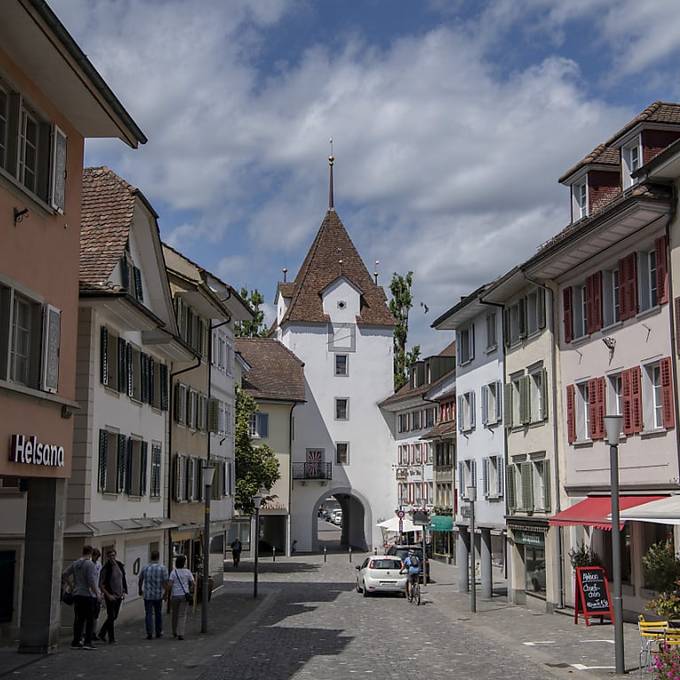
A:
{"x":257,"y":502}
{"x":613,"y":425}
{"x":471,"y":492}
{"x":208,"y":475}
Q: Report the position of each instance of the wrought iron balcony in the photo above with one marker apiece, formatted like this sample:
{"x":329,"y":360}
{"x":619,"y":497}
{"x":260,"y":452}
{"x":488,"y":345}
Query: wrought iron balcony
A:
{"x":312,"y":471}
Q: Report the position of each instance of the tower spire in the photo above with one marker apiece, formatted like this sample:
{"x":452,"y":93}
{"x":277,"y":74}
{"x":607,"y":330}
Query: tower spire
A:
{"x":331,"y":160}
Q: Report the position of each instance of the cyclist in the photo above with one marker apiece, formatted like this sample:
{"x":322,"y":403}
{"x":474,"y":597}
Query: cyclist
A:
{"x":412,"y":567}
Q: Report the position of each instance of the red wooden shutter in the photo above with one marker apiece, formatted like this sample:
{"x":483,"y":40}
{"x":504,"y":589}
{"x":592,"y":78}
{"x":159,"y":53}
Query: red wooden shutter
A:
{"x":589,"y":304}
{"x":571,"y":414}
{"x":627,"y":403}
{"x":661,"y":271}
{"x":601,"y":406}
{"x":592,"y":408}
{"x":596,"y":304}
{"x":636,"y":398}
{"x":567,"y":315}
{"x":628,"y":286}
{"x":667,"y":393}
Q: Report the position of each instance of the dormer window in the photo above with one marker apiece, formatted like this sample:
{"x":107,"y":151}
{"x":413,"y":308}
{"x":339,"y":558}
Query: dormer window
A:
{"x":632,"y":160}
{"x":580,"y":193}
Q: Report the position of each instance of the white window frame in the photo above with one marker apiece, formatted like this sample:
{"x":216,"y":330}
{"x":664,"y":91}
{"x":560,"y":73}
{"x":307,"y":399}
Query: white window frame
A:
{"x":580,"y":200}
{"x":466,"y":342}
{"x":632,"y":159}
{"x":611,"y":305}
{"x":652,"y":397}
{"x":516,"y":382}
{"x":615,"y":394}
{"x":536,"y":406}
{"x":341,"y":374}
{"x":582,"y":412}
{"x":539,"y":482}
{"x":491,"y":332}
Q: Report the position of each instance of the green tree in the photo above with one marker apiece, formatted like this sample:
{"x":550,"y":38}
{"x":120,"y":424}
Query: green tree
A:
{"x":256,"y":466}
{"x":256,"y":328}
{"x":400,"y":306}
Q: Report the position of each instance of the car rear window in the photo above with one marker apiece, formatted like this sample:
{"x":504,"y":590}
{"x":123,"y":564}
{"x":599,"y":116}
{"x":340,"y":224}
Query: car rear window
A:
{"x":384,"y":564}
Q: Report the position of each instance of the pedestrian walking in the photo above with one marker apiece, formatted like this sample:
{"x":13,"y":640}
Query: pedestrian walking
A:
{"x":85,"y":589}
{"x":180,"y":585}
{"x":152,"y":584}
{"x":114,"y":588}
{"x":96,"y":555}
{"x":236,"y":549}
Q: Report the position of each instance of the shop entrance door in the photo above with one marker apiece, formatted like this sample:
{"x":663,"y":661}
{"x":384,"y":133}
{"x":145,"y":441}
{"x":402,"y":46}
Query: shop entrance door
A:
{"x":534,"y":563}
{"x":7,"y":562}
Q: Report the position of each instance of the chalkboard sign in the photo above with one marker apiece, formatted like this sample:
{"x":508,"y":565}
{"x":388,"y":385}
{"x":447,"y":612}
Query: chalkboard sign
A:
{"x":592,"y":594}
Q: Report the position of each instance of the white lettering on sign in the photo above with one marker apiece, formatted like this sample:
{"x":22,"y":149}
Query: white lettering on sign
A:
{"x":29,"y":451}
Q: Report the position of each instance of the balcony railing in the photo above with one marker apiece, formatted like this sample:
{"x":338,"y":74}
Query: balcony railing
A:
{"x":312,"y":471}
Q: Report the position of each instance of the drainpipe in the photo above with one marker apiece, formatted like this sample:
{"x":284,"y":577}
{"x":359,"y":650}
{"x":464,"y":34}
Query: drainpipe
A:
{"x":556,"y":457}
{"x":505,"y":429}
{"x":290,"y":478}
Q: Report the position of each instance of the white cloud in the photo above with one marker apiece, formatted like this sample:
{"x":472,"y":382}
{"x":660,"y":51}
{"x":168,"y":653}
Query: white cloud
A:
{"x":444,"y":166}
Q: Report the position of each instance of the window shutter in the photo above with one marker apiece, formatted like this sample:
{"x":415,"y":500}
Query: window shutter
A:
{"x":506,"y":327}
{"x":128,"y":466}
{"x":510,"y":483}
{"x":667,"y":393}
{"x":151,"y":377}
{"x":592,"y":409}
{"x":177,"y":407}
{"x":139,"y":293}
{"x":636,"y":398}
{"x":460,"y":414}
{"x":525,"y":400}
{"x":42,"y":186}
{"x":627,"y":402}
{"x":601,"y":405}
{"x":571,"y":414}
{"x":122,"y":366}
{"x":628,"y":286}
{"x":473,"y":411}
{"x":14,"y":114}
{"x":130,"y":371}
{"x":58,"y":170}
{"x":473,"y":467}
{"x":500,"y":474}
{"x":176,"y":478}
{"x":213,"y":415}
{"x":104,"y":356}
{"x":523,"y":317}
{"x":546,"y":486}
{"x":125,"y":273}
{"x":594,"y":302}
{"x":507,"y":389}
{"x":527,"y":486}
{"x":121,"y":463}
{"x":661,"y":270}
{"x":143,"y":472}
{"x":485,"y":477}
{"x":164,"y":386}
{"x":540,"y":292}
{"x":51,"y":344}
{"x":567,"y":314}
{"x":103,"y":455}
{"x":499,"y":401}
{"x":544,"y":394}
{"x":144,"y":381}
{"x":485,"y":404}
{"x":461,"y":481}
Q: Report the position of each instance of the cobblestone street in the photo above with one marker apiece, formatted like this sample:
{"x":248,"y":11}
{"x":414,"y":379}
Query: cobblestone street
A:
{"x":310,"y":623}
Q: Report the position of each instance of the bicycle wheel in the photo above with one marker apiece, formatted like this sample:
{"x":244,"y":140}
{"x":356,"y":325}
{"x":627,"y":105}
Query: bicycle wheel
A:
{"x":417,"y":595}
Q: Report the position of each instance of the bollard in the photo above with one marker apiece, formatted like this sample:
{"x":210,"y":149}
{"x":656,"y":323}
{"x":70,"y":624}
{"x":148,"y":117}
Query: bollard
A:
{"x":273,"y":553}
{"x":349,"y":552}
{"x":324,"y":553}
{"x":375,"y":551}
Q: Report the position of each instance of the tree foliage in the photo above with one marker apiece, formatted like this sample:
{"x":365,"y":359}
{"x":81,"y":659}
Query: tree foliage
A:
{"x":256,"y":328}
{"x":256,"y":466}
{"x":400,"y":306}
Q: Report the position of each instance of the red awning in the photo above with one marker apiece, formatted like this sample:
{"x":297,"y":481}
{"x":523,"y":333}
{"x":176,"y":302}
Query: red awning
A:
{"x":594,"y":511}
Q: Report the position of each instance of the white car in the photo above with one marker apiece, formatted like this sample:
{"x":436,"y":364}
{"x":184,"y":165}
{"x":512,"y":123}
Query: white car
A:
{"x":380,"y":573}
{"x":336,"y":517}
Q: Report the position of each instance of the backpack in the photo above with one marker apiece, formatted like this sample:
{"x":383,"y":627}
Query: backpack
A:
{"x":415,"y":562}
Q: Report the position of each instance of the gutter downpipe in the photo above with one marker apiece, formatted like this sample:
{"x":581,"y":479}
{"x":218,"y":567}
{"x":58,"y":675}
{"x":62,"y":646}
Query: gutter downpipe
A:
{"x":505,"y":429}
{"x":556,"y":457}
{"x":171,"y":410}
{"x":290,"y":480}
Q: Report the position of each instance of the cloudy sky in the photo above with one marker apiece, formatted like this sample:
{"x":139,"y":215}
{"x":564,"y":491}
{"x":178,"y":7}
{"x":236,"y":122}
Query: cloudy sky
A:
{"x":452,"y":120}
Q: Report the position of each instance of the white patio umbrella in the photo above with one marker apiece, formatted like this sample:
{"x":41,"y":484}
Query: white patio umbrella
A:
{"x":392,"y":524}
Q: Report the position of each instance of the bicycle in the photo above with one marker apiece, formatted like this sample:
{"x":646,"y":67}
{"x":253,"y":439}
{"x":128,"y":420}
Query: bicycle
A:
{"x":414,"y":592}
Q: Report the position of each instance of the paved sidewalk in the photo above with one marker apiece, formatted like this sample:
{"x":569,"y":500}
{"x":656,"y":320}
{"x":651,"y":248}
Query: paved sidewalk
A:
{"x":232,"y":612}
{"x":550,"y":639}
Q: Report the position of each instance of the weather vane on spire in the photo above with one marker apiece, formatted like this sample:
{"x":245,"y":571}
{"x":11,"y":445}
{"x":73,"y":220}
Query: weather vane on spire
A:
{"x":331,"y":160}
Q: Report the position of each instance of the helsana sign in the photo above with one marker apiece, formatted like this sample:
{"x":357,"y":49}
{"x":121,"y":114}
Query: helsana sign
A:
{"x":29,"y":451}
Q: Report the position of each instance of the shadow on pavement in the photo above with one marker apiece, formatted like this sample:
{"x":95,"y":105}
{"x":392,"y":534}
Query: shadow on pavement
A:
{"x":270,"y":567}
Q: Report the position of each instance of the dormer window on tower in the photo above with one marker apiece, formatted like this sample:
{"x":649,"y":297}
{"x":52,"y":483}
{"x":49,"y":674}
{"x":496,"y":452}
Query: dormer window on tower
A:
{"x":632,"y":159}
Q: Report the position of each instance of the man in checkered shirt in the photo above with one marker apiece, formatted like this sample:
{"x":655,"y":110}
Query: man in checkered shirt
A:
{"x":152,"y":582}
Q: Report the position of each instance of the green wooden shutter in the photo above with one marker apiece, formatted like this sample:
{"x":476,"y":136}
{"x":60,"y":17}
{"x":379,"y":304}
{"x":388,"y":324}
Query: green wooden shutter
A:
{"x":546,"y":485}
{"x":510,"y":484}
{"x":121,"y":463}
{"x":485,"y":477}
{"x":164,"y":387}
{"x":104,"y":356}
{"x":125,"y":273}
{"x":143,"y":466}
{"x":103,"y":459}
{"x":213,"y":415}
{"x":507,"y":405}
{"x":499,"y":401}
{"x":544,"y":394}
{"x":152,"y":367}
{"x":130,"y":368}
{"x":122,"y":366}
{"x":525,"y":400}
{"x":144,"y":377}
{"x":526,"y":470}
{"x":541,"y":307}
{"x":485,"y":404}
{"x":129,"y":466}
{"x":139,"y":293}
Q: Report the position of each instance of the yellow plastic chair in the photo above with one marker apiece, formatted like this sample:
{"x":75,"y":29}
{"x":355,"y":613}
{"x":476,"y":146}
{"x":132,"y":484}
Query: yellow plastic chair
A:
{"x":651,"y":634}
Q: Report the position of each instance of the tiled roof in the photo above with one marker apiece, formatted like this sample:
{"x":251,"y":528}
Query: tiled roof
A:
{"x":658,"y":112}
{"x":443,"y":429}
{"x":108,"y":203}
{"x":407,"y":392}
{"x":322,"y":266}
{"x":287,"y":288}
{"x":449,"y":350}
{"x":276,"y":372}
{"x":600,"y":155}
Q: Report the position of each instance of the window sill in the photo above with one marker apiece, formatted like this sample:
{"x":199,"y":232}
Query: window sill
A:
{"x":111,"y":390}
{"x":155,"y":499}
{"x":109,"y":495}
{"x":466,"y":362}
{"x":582,"y":443}
{"x":134,"y":498}
{"x":38,"y":394}
{"x":490,"y":349}
{"x":25,"y":193}
{"x":656,"y":432}
{"x":611,"y":327}
{"x":648,"y":312}
{"x":496,"y":423}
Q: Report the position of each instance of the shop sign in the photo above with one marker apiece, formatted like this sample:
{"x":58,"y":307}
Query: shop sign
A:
{"x":29,"y":451}
{"x":441,"y":523}
{"x":529,"y":537}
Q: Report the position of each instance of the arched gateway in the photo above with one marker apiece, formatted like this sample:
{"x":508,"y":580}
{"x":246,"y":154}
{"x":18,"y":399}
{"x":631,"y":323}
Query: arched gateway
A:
{"x":357,"y":519}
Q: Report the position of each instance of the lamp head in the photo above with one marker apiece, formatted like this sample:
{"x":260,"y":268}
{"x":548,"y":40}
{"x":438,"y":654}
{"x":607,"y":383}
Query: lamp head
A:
{"x":613,"y":425}
{"x":208,"y":473}
{"x":471,"y":493}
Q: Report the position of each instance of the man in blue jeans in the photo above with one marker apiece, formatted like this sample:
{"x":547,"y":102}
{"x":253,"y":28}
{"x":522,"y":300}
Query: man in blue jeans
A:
{"x":152,"y":582}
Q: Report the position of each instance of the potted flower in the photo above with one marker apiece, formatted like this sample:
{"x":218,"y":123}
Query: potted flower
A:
{"x":583,"y":556}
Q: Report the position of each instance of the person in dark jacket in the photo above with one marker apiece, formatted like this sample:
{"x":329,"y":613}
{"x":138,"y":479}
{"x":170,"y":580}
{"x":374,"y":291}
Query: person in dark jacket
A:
{"x":114,"y":588}
{"x":236,"y":549}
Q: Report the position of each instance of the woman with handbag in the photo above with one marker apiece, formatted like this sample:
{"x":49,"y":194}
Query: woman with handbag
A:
{"x":180,"y":586}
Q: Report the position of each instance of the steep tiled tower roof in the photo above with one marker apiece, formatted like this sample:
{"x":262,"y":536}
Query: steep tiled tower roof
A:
{"x":331,"y":256}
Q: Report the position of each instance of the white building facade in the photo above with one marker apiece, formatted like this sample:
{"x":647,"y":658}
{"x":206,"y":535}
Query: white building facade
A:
{"x":334,"y":318}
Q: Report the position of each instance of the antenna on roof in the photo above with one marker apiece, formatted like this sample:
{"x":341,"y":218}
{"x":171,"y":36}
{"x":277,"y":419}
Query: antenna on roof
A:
{"x":285,"y":274}
{"x":375,"y":273}
{"x":331,"y":160}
